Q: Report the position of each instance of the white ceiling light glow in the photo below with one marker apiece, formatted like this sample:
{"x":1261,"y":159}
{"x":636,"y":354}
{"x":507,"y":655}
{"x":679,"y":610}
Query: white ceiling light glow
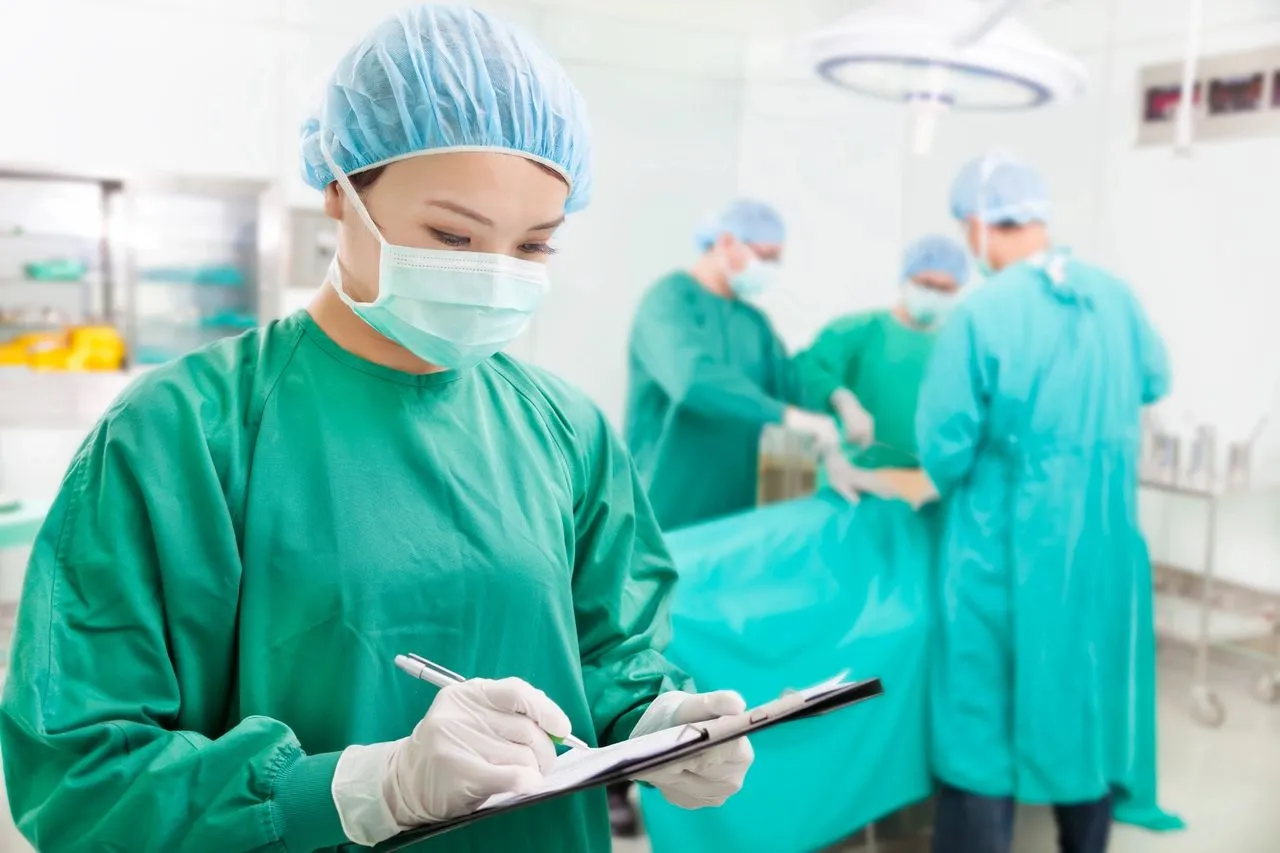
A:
{"x":944,"y":54}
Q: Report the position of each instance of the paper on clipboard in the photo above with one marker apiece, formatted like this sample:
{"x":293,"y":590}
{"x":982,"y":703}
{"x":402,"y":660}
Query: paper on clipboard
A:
{"x":582,"y":765}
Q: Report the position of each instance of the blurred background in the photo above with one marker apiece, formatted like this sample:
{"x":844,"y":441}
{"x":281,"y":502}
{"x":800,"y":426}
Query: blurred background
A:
{"x":150,"y":202}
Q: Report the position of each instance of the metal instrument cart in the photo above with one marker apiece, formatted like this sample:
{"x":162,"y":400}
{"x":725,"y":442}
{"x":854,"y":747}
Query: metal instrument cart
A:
{"x":1199,"y":621}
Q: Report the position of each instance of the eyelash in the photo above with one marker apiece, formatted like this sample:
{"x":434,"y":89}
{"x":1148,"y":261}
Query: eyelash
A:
{"x":454,"y":241}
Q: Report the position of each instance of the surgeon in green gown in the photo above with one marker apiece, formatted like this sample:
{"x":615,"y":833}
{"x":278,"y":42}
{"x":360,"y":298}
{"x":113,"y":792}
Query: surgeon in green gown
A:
{"x":707,"y":372}
{"x":868,"y":367}
{"x":1043,"y":677}
{"x":203,"y":660}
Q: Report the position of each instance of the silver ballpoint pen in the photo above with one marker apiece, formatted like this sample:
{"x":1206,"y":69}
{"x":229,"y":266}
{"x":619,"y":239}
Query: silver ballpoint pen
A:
{"x":434,"y":673}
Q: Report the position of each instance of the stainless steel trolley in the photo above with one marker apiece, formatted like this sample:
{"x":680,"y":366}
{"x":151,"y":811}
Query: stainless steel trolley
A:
{"x":1190,"y":609}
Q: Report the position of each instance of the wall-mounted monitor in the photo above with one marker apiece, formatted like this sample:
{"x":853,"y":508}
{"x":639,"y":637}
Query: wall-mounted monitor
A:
{"x":1236,"y":96}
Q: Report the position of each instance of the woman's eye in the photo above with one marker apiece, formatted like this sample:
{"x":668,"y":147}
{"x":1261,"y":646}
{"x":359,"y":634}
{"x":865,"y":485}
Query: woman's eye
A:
{"x":451,"y":240}
{"x":537,"y":248}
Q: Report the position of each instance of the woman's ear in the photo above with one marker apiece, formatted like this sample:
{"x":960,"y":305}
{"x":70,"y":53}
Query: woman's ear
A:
{"x":333,"y":201}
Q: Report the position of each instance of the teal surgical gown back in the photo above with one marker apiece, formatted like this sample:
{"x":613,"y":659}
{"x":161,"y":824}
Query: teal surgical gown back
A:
{"x":1043,"y":683}
{"x":707,"y":373}
{"x":246,"y":541}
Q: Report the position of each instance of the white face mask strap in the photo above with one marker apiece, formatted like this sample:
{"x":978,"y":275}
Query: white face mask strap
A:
{"x":349,"y":190}
{"x":990,"y":163}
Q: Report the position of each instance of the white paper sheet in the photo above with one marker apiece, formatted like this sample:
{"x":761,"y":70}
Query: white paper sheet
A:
{"x":581,"y":765}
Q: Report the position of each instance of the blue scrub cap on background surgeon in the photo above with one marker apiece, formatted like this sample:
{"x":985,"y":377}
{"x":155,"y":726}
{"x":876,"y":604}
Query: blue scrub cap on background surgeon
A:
{"x":435,"y":78}
{"x":997,"y":188}
{"x":748,"y":220}
{"x":936,"y":254}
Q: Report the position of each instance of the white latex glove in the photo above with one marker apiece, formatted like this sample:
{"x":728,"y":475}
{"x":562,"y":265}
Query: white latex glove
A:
{"x":479,"y":738}
{"x":841,"y":475}
{"x":712,"y":776}
{"x":850,"y":481}
{"x":859,"y":428}
{"x":821,"y":428}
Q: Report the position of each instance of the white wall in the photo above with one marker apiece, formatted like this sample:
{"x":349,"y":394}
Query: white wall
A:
{"x":1193,"y":235}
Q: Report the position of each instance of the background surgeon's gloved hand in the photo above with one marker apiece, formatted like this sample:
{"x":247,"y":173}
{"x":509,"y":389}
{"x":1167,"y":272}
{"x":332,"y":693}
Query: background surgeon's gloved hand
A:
{"x":851,"y":482}
{"x":842,"y":476}
{"x":859,"y":428}
{"x":710,"y":777}
{"x":478,"y":738}
{"x":821,"y":428}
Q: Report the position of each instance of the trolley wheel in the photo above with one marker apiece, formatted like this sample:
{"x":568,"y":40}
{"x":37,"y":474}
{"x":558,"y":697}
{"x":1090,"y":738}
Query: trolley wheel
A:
{"x":1206,"y":708}
{"x":1267,"y":688}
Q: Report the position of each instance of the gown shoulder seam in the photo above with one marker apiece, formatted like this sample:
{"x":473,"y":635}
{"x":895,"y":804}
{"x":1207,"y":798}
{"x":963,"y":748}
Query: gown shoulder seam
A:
{"x":540,"y":404}
{"x":258,"y":406}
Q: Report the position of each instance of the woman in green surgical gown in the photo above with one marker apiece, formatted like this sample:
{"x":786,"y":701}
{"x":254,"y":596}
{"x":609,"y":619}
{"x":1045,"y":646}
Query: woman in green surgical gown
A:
{"x":868,"y":367}
{"x":204,"y":653}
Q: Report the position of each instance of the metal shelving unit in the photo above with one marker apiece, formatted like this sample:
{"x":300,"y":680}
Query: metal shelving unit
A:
{"x":197,"y":267}
{"x":48,"y":218}
{"x":171,"y":263}
{"x":1192,"y":612}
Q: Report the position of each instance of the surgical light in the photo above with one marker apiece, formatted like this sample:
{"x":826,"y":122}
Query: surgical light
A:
{"x":936,"y":55}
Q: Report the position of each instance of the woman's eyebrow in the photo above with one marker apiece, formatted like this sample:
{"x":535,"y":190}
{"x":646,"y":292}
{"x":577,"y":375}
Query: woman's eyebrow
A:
{"x":463,"y":211}
{"x":476,"y":216}
{"x":547,"y":226}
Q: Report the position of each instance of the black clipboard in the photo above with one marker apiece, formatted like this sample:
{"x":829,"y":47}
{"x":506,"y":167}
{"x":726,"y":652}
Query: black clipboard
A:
{"x":700,"y":737}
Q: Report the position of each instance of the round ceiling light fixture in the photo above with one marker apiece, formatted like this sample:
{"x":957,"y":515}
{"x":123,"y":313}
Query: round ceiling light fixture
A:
{"x":957,"y":54}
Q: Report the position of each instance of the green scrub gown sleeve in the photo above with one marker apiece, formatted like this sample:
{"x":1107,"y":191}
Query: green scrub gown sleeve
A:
{"x":623,"y":579}
{"x":831,"y":362}
{"x":952,"y":412}
{"x":114,"y":721}
{"x":673,"y":350}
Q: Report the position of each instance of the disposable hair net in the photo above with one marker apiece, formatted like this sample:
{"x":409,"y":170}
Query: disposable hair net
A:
{"x":936,"y":254}
{"x":997,"y":188}
{"x":438,"y":78}
{"x":748,"y":220}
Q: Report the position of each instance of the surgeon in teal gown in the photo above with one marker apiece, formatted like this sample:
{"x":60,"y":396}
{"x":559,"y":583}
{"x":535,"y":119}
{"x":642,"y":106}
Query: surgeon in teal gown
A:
{"x":203,"y":660}
{"x":707,"y":372}
{"x":1028,"y":423}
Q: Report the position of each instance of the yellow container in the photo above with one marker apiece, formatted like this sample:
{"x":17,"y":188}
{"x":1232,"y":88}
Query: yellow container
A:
{"x":18,"y":351}
{"x":95,"y":348}
{"x":79,"y":348}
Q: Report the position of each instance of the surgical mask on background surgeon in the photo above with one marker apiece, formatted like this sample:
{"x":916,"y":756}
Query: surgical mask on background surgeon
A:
{"x":753,"y":279}
{"x":450,"y":309}
{"x":927,"y":306}
{"x":983,"y":261}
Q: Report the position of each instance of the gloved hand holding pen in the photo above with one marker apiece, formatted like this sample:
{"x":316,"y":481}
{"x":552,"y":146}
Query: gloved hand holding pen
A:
{"x":479,"y":738}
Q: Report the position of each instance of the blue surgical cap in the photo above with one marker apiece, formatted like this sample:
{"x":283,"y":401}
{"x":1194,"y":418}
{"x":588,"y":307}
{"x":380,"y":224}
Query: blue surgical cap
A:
{"x":435,"y":78}
{"x":996,"y":188}
{"x":750,"y":221}
{"x":936,"y":254}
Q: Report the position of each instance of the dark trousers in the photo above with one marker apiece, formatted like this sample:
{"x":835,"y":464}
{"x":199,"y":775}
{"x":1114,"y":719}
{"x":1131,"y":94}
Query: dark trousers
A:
{"x":969,"y":823}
